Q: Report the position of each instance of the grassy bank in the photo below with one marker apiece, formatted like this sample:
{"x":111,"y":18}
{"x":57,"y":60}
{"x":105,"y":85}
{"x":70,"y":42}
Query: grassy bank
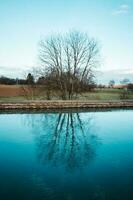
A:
{"x":86,"y":96}
{"x":14,"y":94}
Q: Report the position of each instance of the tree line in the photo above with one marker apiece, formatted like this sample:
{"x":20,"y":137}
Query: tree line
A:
{"x":16,"y":81}
{"x":11,"y":81}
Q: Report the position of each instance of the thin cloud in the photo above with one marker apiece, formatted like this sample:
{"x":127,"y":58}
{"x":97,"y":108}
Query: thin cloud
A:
{"x":128,"y":71}
{"x":7,"y":68}
{"x":116,"y":74}
{"x":123,"y":9}
{"x":118,"y":71}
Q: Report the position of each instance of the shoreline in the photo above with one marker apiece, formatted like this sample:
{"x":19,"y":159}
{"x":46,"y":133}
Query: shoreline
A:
{"x":66,"y":104}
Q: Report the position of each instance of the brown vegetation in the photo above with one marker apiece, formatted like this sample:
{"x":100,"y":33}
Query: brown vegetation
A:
{"x":10,"y":90}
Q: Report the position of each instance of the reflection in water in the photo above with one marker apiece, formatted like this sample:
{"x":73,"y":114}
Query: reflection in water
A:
{"x":65,"y":139}
{"x":70,"y":164}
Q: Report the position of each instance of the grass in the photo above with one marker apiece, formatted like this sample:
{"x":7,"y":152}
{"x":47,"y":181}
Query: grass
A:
{"x":99,"y":94}
{"x":12,"y":99}
{"x":14,"y":93}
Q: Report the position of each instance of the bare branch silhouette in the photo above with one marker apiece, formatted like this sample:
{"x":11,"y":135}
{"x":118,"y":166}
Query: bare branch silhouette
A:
{"x":64,"y":138}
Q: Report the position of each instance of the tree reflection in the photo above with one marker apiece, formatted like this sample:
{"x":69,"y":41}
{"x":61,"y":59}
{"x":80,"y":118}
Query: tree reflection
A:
{"x":64,"y":139}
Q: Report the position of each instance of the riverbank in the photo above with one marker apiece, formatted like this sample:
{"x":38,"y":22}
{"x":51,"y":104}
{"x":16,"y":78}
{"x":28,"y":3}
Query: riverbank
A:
{"x":39,"y":105}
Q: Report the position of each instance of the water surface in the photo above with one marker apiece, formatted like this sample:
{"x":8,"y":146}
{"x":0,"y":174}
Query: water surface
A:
{"x":67,"y":156}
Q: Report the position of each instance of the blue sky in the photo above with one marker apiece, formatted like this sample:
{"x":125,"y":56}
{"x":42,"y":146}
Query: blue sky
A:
{"x":24,"y":22}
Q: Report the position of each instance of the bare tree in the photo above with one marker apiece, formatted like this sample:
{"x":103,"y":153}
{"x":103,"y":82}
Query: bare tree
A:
{"x":29,"y":89}
{"x":68,"y":62}
{"x":111,"y":83}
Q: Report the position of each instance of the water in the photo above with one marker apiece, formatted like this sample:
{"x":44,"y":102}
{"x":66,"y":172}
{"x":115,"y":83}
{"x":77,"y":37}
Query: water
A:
{"x":67,"y":156}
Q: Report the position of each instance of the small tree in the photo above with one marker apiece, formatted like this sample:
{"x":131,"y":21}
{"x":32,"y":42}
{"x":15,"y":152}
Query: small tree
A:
{"x":125,"y":81}
{"x":130,"y":86}
{"x":30,"y":79}
{"x":111,"y":83}
{"x":29,"y":89}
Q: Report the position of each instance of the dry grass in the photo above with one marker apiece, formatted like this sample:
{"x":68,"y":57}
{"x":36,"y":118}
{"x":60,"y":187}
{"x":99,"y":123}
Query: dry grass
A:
{"x":10,"y":90}
{"x":16,"y":93}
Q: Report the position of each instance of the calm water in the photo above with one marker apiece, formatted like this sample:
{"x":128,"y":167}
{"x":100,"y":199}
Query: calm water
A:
{"x":67,"y":156}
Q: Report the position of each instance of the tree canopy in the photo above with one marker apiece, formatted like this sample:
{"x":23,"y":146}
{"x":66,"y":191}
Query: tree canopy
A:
{"x":68,"y":62}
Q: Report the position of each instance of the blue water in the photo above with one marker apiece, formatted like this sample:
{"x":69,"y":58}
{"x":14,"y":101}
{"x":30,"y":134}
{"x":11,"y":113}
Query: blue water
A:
{"x":67,"y":156}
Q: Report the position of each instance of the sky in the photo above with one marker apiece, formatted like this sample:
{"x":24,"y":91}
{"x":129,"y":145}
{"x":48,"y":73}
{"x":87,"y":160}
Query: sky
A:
{"x":24,"y":22}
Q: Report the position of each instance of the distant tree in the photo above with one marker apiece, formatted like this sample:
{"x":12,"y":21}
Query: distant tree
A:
{"x":21,"y":81}
{"x":29,"y":89}
{"x":125,"y":81}
{"x":125,"y":92}
{"x":7,"y":81}
{"x":130,"y":86}
{"x":68,"y":63}
{"x":101,"y":86}
{"x":111,"y":83}
{"x":12,"y":81}
{"x":30,"y":79}
{"x":41,"y":80}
